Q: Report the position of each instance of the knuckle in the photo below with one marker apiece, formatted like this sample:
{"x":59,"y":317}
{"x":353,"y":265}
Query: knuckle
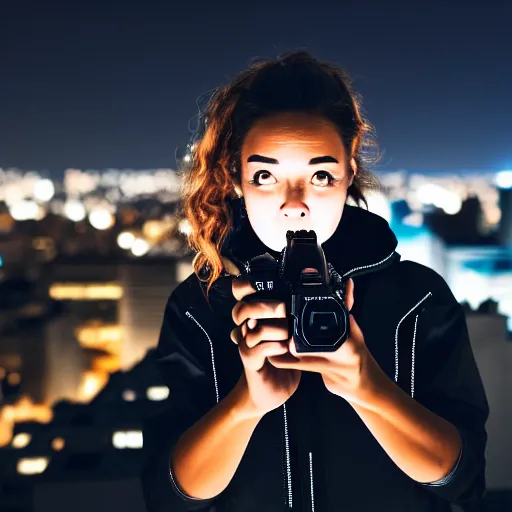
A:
{"x":235,"y":312}
{"x":280,"y":309}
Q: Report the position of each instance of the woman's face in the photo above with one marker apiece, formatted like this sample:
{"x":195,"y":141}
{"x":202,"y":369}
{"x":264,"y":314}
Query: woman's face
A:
{"x":294,"y":176}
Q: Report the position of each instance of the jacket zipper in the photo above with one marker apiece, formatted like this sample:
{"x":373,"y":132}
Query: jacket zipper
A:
{"x":311,"y":482}
{"x":288,"y":476}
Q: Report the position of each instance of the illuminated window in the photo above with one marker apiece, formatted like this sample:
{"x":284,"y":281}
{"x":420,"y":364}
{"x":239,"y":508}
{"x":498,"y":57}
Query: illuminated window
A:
{"x":127,"y":439}
{"x":157,"y":393}
{"x":32,"y":466}
{"x":21,"y":440}
{"x":90,"y":291}
{"x":99,"y":336}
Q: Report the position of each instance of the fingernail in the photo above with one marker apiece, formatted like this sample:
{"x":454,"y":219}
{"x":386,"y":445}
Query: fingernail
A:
{"x":251,"y":323}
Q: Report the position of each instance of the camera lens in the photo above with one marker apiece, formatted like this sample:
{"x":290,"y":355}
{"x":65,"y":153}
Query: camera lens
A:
{"x":322,"y":325}
{"x":324,"y":322}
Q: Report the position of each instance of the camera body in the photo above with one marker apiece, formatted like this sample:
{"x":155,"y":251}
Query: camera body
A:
{"x":313,"y":292}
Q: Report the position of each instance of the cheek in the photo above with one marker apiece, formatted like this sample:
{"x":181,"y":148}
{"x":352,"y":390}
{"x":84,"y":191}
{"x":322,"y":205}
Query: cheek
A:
{"x":264,"y":205}
{"x":327,"y":212}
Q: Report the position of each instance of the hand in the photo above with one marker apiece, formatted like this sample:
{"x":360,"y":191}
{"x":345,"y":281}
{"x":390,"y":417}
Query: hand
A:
{"x":261,"y":333}
{"x":349,"y":372}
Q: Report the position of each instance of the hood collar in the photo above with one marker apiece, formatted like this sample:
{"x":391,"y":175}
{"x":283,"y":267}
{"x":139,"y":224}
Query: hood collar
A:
{"x":361,"y":240}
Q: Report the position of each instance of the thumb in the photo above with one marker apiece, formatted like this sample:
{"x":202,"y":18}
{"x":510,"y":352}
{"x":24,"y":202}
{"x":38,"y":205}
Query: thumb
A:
{"x":355,"y":331}
{"x":349,"y":294}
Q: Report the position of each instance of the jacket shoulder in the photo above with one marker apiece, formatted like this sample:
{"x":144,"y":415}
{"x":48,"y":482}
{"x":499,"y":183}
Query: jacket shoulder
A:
{"x":189,"y":292}
{"x":420,"y":277}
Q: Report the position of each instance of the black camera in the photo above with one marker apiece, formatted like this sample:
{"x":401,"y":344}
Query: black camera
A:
{"x":311,"y":289}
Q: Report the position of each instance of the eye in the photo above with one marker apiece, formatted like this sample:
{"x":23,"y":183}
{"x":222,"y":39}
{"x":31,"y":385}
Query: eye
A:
{"x":324,"y":179}
{"x":262,"y":178}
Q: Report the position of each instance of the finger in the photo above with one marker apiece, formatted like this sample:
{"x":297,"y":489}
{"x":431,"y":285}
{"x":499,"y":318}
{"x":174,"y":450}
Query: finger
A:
{"x":236,"y":335}
{"x":241,"y":287}
{"x":258,"y":310}
{"x":300,"y":355}
{"x":306,"y":363}
{"x":267,"y":330}
{"x":254,"y":358}
{"x":349,"y":294}
{"x":239,"y":333}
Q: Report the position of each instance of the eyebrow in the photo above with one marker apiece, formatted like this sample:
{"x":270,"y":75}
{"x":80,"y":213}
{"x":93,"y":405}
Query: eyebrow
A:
{"x":313,"y":161}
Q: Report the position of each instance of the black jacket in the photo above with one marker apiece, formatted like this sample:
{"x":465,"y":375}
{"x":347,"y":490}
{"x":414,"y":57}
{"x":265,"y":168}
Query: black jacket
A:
{"x":314,"y":453}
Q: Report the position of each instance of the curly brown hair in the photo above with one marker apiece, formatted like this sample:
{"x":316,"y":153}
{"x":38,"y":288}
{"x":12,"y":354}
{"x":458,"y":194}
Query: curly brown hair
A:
{"x":293,"y":82}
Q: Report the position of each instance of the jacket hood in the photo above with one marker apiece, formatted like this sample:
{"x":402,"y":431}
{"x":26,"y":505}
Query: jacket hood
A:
{"x":361,"y":240}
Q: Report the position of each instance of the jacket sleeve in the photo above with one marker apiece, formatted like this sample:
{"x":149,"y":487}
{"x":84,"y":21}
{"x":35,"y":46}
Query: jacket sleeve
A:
{"x":182,"y":357}
{"x":449,"y":384}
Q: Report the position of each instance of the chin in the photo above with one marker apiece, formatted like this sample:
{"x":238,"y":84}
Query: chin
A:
{"x":278,"y":244}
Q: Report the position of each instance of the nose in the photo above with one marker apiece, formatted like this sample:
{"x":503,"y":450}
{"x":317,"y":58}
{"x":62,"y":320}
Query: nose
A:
{"x":294,"y":210}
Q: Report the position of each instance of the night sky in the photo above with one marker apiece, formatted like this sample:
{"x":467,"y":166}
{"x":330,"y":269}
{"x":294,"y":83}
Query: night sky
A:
{"x":97,"y":85}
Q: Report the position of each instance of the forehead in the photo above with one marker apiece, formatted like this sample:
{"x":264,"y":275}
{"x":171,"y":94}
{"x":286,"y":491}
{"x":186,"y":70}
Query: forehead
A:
{"x":291,"y":132}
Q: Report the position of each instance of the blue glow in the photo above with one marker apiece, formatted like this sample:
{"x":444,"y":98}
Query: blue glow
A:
{"x":503,"y":179}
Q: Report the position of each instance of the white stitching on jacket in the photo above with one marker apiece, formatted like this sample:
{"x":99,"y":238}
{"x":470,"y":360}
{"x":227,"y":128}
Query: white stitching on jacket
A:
{"x":211,"y":352}
{"x":311,"y":482}
{"x":449,"y":477}
{"x":178,"y":487}
{"x":288,"y":464}
{"x":216,"y":395}
{"x":369,"y":266}
{"x":398,"y":327}
{"x":413,"y":355}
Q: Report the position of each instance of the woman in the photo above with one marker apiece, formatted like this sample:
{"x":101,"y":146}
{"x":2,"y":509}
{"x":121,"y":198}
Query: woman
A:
{"x":395,"y":418}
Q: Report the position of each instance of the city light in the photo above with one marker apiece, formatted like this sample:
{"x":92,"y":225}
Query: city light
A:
{"x":154,"y":229}
{"x":433,"y":194}
{"x":101,"y":219}
{"x":14,"y":378}
{"x":44,"y":190}
{"x":74,"y":210}
{"x":92,"y":382}
{"x":157,"y":393}
{"x":58,"y":444}
{"x":125,"y":240}
{"x":131,"y":439}
{"x":90,"y":291}
{"x":21,"y":440}
{"x":99,"y":336}
{"x":139,"y":247}
{"x":503,"y":179}
{"x":26,"y":210}
{"x":129,"y":395}
{"x":184,"y":227}
{"x":25,"y":410}
{"x":32,"y":466}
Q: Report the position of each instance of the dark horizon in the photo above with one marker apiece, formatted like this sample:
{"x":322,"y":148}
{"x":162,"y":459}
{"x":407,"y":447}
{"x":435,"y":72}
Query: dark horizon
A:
{"x":92,"y":87}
